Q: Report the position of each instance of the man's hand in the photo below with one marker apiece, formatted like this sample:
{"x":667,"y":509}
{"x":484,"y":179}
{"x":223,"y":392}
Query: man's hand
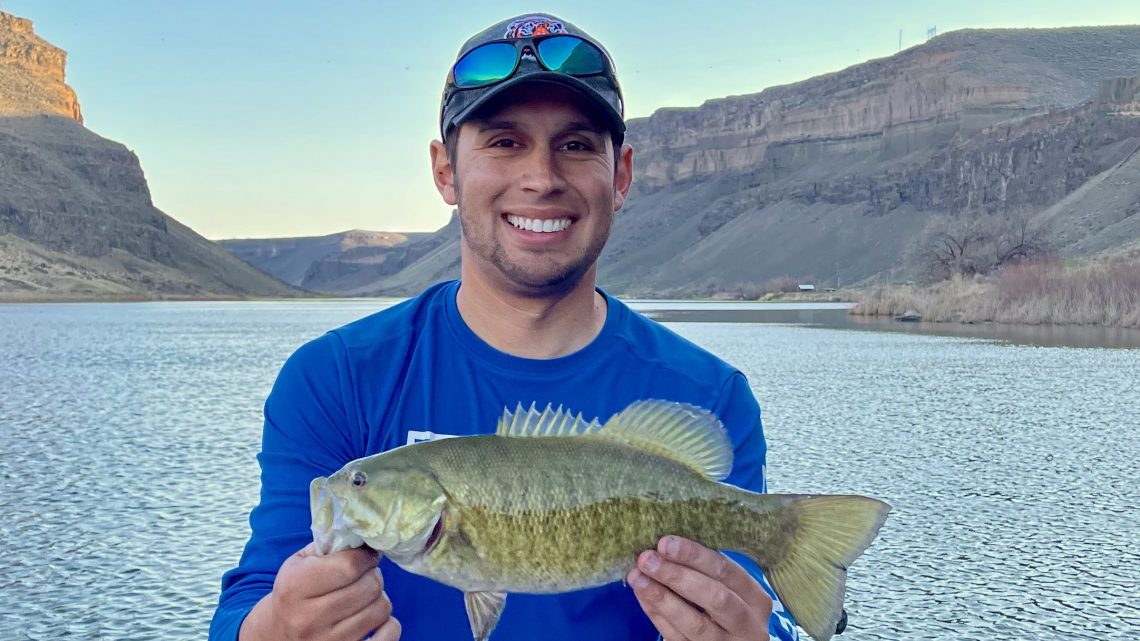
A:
{"x":339,"y":597}
{"x":692,"y":593}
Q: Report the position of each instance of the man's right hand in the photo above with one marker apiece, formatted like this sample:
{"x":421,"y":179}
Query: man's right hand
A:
{"x":339,"y":597}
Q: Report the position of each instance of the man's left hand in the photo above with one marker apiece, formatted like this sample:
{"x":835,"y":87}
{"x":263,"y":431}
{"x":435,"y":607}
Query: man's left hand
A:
{"x":692,"y":593}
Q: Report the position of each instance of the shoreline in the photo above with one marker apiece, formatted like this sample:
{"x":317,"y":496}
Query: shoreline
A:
{"x":6,"y":298}
{"x":1043,"y":293}
{"x":1031,"y":295}
{"x":797,"y":310}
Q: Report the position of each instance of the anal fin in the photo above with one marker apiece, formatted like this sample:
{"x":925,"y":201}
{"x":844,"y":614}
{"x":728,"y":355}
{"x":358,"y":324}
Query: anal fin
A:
{"x":483,"y":610}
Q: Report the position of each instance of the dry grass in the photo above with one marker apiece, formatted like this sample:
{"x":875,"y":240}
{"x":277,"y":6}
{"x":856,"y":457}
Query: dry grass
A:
{"x":949,"y":300}
{"x":1048,"y":293}
{"x":1036,"y":293}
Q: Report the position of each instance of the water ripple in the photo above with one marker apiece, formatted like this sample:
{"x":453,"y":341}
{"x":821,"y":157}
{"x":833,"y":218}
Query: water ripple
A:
{"x":128,"y":434}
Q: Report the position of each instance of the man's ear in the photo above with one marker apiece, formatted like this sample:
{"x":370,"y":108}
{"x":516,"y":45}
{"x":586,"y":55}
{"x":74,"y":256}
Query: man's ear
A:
{"x":623,"y":176}
{"x":442,"y":172}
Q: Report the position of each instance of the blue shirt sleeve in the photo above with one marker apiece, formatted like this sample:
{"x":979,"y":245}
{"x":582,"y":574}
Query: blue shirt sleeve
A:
{"x":740,"y":414}
{"x":307,"y":433}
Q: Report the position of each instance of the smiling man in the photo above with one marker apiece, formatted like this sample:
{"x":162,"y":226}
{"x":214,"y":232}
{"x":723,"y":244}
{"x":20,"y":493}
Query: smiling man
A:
{"x":533,"y":156}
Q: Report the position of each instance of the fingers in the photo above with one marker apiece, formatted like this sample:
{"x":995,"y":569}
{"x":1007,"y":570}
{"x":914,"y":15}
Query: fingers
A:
{"x":373,"y":617}
{"x":308,"y":576}
{"x":714,"y":565}
{"x":389,"y":631}
{"x":365,"y":592}
{"x":693,"y":593}
{"x":673,"y":617}
{"x":719,"y":602}
{"x":649,"y":593}
{"x":314,"y":595}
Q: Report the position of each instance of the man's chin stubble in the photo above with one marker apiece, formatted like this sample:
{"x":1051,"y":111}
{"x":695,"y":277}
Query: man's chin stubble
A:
{"x":560,"y":282}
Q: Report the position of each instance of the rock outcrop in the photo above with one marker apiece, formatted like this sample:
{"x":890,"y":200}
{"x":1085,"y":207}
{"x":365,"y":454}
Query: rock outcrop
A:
{"x":32,"y":73}
{"x":830,"y":179}
{"x":359,"y":270}
{"x":1119,"y":95}
{"x":328,"y":263}
{"x":76,"y":216}
{"x":357,"y":263}
{"x":954,"y":85}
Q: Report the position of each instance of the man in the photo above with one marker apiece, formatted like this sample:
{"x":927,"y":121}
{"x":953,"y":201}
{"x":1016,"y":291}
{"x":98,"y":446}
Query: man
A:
{"x":534,"y":161}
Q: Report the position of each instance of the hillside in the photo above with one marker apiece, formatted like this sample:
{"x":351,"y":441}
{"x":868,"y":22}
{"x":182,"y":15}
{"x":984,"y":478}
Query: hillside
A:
{"x":76,"y":215}
{"x":307,"y":262}
{"x":353,"y":262}
{"x":831,"y":178}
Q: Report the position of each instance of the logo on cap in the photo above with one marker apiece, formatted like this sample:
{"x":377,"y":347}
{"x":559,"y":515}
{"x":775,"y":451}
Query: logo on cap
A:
{"x":532,"y":26}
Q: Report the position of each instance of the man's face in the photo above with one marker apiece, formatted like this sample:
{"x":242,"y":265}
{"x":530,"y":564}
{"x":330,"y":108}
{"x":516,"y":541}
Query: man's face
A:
{"x":536,"y":188}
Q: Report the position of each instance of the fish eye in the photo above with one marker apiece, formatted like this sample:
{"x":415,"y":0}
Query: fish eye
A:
{"x":359,"y":479}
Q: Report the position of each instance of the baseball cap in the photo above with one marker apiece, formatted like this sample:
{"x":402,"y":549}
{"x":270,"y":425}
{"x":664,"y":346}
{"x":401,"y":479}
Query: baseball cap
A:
{"x":599,"y":86}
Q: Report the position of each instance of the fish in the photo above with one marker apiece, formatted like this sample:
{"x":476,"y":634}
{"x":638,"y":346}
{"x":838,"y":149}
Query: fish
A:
{"x":551,"y":503}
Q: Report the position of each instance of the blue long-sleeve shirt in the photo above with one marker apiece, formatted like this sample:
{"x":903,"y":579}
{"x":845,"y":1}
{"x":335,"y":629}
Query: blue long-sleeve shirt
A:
{"x":416,"y":371}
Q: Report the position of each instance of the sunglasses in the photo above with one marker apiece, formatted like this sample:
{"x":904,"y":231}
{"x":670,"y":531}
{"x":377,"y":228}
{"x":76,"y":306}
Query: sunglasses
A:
{"x":496,"y":61}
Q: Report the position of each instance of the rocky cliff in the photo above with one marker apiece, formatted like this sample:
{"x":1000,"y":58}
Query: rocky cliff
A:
{"x":831,"y":178}
{"x":32,"y":73}
{"x":76,"y":216}
{"x":329,"y":263}
{"x":954,"y":84}
{"x":357,"y":262}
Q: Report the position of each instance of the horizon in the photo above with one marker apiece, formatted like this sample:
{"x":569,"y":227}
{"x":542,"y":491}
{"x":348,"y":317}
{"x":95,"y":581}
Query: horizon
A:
{"x":200,"y":104}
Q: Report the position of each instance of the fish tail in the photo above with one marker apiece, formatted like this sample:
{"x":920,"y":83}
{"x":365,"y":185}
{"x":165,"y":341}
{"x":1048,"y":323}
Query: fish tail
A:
{"x":827,"y":534}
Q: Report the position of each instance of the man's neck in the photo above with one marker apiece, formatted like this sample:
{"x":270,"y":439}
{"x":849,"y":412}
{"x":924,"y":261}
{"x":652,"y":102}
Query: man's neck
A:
{"x":539,"y":327}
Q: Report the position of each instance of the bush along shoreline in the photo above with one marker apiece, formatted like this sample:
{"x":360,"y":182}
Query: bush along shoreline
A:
{"x":1039,"y":292}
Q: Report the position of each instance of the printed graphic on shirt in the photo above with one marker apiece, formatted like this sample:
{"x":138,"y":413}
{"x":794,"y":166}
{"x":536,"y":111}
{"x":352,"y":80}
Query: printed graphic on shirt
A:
{"x":421,"y":436}
{"x":781,"y":625}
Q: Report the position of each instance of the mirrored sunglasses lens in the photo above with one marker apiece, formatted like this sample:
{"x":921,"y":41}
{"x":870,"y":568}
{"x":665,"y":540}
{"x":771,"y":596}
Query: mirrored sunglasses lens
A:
{"x":570,"y":55}
{"x":485,"y":65}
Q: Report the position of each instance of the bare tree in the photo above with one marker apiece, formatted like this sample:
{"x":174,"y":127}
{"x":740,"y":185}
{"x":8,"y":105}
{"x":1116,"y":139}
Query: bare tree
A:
{"x":974,"y":242}
{"x":1018,"y":239}
{"x":948,"y":245}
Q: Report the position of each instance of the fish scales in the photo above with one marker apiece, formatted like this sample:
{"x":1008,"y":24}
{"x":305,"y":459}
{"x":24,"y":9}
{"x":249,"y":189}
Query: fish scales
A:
{"x":571,"y":514}
{"x":551,"y":503}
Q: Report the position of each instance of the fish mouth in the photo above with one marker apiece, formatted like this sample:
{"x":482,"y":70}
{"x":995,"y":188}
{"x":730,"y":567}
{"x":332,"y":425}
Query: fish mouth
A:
{"x":331,"y":530}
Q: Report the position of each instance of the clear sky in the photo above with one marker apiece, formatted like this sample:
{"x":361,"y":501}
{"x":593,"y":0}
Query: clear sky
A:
{"x":268,"y":118}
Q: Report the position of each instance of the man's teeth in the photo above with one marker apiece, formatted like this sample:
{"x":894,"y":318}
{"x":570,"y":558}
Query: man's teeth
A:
{"x":534,"y":224}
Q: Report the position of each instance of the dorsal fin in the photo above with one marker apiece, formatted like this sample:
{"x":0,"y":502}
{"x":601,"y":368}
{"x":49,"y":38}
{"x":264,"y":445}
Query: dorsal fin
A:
{"x":685,"y":433}
{"x":549,"y":422}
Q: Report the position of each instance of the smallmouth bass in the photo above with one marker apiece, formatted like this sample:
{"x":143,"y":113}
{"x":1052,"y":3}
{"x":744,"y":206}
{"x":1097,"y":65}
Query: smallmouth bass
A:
{"x":552,"y":503}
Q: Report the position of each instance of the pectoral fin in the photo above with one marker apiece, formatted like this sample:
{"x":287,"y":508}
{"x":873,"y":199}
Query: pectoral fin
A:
{"x":483,"y":610}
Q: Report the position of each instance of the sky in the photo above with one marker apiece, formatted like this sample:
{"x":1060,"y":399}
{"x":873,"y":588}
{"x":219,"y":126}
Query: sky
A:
{"x":280,"y":118}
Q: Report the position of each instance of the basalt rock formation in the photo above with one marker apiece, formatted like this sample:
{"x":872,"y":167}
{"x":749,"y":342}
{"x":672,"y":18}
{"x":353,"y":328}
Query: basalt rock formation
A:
{"x":831,"y":178}
{"x":32,"y":73}
{"x":338,"y":263}
{"x":76,"y":216}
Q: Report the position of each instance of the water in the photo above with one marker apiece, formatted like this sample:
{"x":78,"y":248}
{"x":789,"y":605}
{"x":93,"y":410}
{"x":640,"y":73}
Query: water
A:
{"x":128,"y":434}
